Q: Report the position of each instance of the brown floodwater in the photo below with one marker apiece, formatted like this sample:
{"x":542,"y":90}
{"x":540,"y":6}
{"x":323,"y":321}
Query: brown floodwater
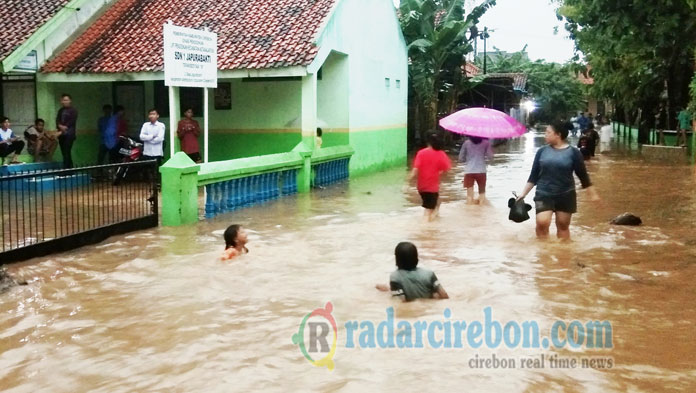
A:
{"x":157,"y":311}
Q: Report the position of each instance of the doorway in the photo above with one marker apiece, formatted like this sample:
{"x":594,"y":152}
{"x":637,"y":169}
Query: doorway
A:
{"x":19,"y":101}
{"x":131,"y":95}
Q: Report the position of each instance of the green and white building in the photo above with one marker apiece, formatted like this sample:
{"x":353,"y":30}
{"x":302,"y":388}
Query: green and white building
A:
{"x":284,"y":68}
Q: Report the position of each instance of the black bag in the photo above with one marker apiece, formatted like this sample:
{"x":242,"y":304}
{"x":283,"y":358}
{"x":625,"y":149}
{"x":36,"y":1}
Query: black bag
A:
{"x":519,"y":211}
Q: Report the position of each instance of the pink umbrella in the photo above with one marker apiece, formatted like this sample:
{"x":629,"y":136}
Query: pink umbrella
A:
{"x":483,"y":122}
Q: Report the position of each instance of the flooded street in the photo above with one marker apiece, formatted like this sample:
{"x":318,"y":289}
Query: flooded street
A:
{"x":157,"y":311}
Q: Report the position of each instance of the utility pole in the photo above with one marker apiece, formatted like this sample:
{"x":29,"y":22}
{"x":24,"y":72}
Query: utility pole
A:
{"x":484,"y":35}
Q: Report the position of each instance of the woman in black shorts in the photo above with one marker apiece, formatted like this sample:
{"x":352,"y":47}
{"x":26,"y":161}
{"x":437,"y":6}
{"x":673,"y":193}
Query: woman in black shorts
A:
{"x":552,"y":174}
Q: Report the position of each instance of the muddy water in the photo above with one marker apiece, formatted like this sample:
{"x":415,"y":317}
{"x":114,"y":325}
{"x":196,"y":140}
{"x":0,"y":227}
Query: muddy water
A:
{"x":156,"y":311}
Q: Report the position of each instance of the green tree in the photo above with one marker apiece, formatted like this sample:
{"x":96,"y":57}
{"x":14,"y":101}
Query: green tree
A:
{"x":438,"y":34}
{"x":637,"y":50}
{"x":554,"y":87}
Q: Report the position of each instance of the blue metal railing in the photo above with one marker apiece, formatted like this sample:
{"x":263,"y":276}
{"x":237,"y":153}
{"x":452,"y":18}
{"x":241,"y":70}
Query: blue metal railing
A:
{"x":242,"y":192}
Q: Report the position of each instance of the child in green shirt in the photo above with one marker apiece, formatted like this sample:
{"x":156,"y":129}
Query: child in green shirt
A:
{"x":410,"y":282}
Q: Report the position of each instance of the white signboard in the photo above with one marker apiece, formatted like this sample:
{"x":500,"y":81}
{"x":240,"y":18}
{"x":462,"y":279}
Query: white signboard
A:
{"x":28,"y":63}
{"x":190,"y":57}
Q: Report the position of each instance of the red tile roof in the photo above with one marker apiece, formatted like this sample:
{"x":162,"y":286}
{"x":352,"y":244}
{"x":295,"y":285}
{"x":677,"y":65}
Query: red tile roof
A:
{"x":585,"y":77}
{"x":470,"y":69}
{"x":251,"y":34}
{"x":21,"y":18}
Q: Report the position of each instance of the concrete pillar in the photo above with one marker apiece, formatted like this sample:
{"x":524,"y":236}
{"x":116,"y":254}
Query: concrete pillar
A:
{"x":309,"y":109}
{"x":174,"y":99}
{"x":179,"y":190}
{"x":308,"y":120}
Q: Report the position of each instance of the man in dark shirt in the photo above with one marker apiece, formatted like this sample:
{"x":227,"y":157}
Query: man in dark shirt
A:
{"x":583,"y":122}
{"x":586,"y":145}
{"x":66,"y":122}
{"x":594,"y":135}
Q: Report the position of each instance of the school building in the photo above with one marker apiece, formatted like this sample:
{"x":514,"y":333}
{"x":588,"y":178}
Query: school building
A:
{"x":283,"y":67}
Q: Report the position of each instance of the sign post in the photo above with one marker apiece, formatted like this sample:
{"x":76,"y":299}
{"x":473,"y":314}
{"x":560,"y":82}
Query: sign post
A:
{"x":190,"y":60}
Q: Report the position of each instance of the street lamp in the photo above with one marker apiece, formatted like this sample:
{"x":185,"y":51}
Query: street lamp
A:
{"x":484,"y":36}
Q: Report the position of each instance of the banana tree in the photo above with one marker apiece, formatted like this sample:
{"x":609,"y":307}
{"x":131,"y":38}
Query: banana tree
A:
{"x":438,"y":36}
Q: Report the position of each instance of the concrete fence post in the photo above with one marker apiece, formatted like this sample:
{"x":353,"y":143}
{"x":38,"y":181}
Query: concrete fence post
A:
{"x":179,"y":190}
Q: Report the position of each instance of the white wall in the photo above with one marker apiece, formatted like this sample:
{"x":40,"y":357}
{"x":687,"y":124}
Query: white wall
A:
{"x":369,"y":32}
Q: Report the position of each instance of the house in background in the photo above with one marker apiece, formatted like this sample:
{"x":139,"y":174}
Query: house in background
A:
{"x":593,"y":105}
{"x":502,"y":91}
{"x":283,"y":67}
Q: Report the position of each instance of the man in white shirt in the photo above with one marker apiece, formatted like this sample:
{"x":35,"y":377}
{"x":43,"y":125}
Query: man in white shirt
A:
{"x":10,"y":146}
{"x":152,"y":135}
{"x":605,"y":135}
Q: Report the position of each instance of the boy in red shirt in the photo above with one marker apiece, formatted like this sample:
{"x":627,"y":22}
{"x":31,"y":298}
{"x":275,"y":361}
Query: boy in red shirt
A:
{"x":428,"y":165}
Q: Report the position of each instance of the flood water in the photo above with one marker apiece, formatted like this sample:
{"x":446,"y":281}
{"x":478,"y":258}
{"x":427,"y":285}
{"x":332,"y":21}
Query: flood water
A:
{"x":157,"y":311}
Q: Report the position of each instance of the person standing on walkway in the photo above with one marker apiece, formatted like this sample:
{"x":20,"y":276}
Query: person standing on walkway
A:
{"x":430,"y":162}
{"x":66,"y":120}
{"x":121,"y":122}
{"x":107,"y":132}
{"x":152,"y":135}
{"x":474,"y":152}
{"x":684,"y":122}
{"x":188,"y":131}
{"x":606,"y":133}
{"x":583,"y":122}
{"x":552,"y":174}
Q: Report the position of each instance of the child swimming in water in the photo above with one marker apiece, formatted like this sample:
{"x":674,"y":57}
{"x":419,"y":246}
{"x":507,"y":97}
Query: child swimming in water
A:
{"x":410,"y":282}
{"x":235,"y":242}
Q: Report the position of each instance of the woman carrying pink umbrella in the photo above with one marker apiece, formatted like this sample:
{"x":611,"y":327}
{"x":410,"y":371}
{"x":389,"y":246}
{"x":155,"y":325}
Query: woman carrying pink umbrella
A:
{"x":480,"y":124}
{"x":474,"y":152}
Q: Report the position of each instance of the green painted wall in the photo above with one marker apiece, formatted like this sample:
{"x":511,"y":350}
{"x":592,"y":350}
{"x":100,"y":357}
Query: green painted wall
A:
{"x":377,"y":149}
{"x":227,"y":146}
{"x":335,"y":138}
{"x":88,"y":99}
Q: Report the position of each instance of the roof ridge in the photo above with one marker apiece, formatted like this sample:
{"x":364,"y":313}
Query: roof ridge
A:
{"x":252,"y":34}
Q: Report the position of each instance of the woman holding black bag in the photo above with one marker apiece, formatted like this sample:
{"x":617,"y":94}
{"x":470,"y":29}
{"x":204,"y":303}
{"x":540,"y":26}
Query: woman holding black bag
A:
{"x":552,"y":174}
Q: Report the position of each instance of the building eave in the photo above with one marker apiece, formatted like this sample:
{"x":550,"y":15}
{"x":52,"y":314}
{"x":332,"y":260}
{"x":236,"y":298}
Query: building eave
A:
{"x":56,"y":77}
{"x":48,"y":28}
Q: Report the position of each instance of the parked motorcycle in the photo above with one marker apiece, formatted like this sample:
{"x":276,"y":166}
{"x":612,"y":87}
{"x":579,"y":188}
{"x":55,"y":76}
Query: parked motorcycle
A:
{"x":130,"y":151}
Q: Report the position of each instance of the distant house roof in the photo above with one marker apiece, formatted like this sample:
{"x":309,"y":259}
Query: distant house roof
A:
{"x":252,"y":34}
{"x":518,"y":79}
{"x":21,"y":19}
{"x":470,"y":69}
{"x":585,"y":78}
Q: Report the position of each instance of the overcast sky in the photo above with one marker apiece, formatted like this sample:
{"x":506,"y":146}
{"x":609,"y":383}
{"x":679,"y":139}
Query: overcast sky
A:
{"x":531,"y":22}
